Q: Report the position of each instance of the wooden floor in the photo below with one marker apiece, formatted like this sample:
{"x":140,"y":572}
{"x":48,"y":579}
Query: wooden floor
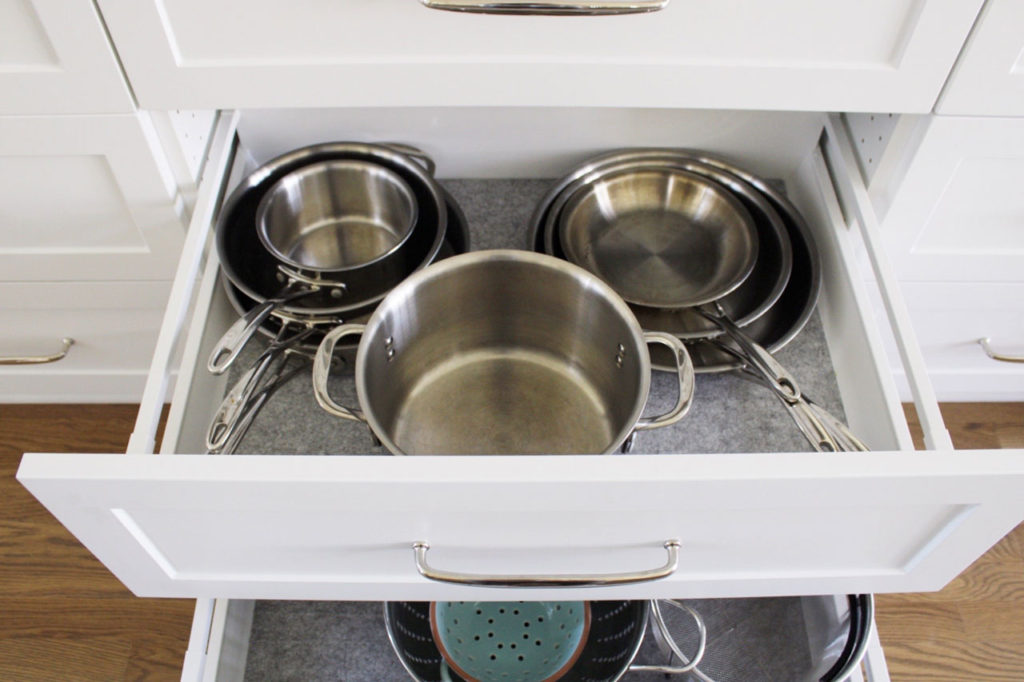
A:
{"x":63,"y":618}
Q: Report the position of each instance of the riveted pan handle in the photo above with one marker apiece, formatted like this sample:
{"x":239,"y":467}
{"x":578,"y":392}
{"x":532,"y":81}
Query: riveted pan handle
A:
{"x":549,"y":7}
{"x":684,"y":370}
{"x":564,"y":580}
{"x":322,"y":371}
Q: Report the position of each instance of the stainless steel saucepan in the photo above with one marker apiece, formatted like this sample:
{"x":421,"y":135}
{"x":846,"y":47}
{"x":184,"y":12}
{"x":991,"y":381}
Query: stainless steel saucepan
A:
{"x":503,"y":352}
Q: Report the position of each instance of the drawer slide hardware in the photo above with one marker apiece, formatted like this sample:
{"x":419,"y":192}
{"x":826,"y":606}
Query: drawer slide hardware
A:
{"x":40,"y":359}
{"x":568,"y":580}
{"x":986,"y":346}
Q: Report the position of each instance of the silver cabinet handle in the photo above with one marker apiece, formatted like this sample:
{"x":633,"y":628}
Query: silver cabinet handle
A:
{"x":565,"y":7}
{"x":40,"y":359}
{"x":985,"y":345}
{"x":569,"y":580}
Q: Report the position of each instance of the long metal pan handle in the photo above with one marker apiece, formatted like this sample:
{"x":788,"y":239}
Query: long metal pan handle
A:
{"x":986,"y":345}
{"x":322,"y":371}
{"x":548,"y":7}
{"x":226,"y":350}
{"x":780,"y":379}
{"x":567,"y":580}
{"x":66,"y":342}
{"x":686,"y":375}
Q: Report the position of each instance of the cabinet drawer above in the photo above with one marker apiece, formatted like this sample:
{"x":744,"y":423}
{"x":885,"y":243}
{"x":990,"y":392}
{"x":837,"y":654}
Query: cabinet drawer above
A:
{"x":55,"y":58}
{"x":879,"y":55}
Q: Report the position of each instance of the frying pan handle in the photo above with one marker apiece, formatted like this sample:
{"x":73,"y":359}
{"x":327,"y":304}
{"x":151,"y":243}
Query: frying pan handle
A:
{"x":237,"y":335}
{"x":684,"y":370}
{"x":322,"y":370}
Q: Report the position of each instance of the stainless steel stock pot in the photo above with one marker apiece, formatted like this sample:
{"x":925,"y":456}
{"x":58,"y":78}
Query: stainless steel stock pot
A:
{"x":503,"y":352}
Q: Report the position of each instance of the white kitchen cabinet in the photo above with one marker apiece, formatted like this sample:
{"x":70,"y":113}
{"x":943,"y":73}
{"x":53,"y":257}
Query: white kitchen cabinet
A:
{"x":881,"y":55}
{"x":948,"y":187}
{"x":114,"y":326}
{"x":55,"y":58}
{"x":989,"y":76}
{"x":749,"y":524}
{"x":951,"y":318}
{"x":92,"y":220}
{"x":86,"y":198}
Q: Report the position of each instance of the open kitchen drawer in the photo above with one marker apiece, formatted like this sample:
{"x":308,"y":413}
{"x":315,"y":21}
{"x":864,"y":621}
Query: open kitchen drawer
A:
{"x":343,"y":527}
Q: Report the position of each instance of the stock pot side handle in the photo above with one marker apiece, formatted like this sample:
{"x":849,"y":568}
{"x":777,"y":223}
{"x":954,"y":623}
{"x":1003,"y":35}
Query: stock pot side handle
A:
{"x":322,"y":371}
{"x":685,"y":373}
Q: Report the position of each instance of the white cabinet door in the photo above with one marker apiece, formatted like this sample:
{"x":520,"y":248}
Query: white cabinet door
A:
{"x":55,"y":58}
{"x":343,"y":527}
{"x":989,"y":76}
{"x":957,"y":211}
{"x":874,"y":55}
{"x":86,"y":198}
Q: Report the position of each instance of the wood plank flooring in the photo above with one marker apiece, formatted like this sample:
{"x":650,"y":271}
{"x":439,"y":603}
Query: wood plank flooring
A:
{"x":974,"y":628}
{"x":64,"y":618}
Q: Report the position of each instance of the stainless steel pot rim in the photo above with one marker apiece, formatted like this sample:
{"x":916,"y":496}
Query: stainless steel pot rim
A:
{"x":443,"y":268}
{"x":735,"y":247}
{"x":737,"y":186}
{"x":291,"y":175}
{"x":457,"y":237}
{"x":257,"y":182}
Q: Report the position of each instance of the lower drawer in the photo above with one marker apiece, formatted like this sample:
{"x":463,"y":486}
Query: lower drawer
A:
{"x":950,"y":318}
{"x":114,"y":326}
{"x":793,"y":638}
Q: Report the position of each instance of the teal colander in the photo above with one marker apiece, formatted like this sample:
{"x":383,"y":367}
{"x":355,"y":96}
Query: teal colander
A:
{"x":519,"y":641}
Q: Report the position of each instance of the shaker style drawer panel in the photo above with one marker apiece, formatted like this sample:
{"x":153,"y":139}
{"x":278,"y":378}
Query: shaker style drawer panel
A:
{"x":113,"y":326}
{"x":86,"y":198}
{"x":989,"y":76}
{"x":951,"y":318}
{"x":344,"y":526}
{"x":957,"y":210}
{"x":55,"y":58}
{"x":743,"y":54}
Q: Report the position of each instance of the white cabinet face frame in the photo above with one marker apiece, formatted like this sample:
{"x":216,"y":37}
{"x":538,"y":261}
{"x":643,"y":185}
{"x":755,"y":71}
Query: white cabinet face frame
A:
{"x":957,"y":212}
{"x":86,"y":198}
{"x":878,"y":55}
{"x":343,"y":527}
{"x":988,"y":79}
{"x":55,"y":58}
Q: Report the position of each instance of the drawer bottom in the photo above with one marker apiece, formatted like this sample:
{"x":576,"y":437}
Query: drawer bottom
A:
{"x":752,"y":640}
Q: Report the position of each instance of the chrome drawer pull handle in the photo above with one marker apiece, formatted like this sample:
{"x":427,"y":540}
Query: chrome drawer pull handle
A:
{"x":549,"y":7}
{"x":985,"y":345}
{"x":40,"y":359}
{"x":569,"y":580}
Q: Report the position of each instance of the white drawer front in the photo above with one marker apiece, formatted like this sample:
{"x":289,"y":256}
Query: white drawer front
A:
{"x":957,"y":210}
{"x":86,"y":198}
{"x":56,"y":59}
{"x":114,"y":326}
{"x":951,"y":318}
{"x":792,"y":55}
{"x":989,"y":73}
{"x":343,"y":527}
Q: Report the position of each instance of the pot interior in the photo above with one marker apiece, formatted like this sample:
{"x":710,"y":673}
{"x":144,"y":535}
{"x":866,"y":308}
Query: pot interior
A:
{"x":502,"y":355}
